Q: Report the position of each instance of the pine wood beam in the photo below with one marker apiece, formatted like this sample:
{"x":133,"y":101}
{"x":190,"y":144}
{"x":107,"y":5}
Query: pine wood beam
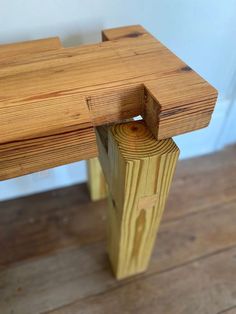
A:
{"x":139,"y":173}
{"x":52,"y":98}
{"x":28,"y":156}
{"x":171,"y":106}
{"x":25,"y":156}
{"x":125,"y":32}
{"x":96,"y":181}
{"x":10,"y":53}
{"x":51,"y":92}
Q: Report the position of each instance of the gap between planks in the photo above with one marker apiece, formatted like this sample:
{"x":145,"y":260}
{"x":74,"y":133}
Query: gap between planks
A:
{"x":95,"y":269}
{"x":176,"y":237}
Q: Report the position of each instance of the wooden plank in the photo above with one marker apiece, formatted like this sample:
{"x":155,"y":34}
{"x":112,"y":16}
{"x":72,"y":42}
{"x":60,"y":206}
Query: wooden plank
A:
{"x":205,"y":286}
{"x":201,"y":172}
{"x":53,"y":95}
{"x":11,"y":52}
{"x":109,"y":78}
{"x":96,"y":181}
{"x":139,"y":176}
{"x":70,"y":275}
{"x":44,"y":223}
{"x":29,"y":155}
{"x":119,"y":33}
{"x":171,"y":118}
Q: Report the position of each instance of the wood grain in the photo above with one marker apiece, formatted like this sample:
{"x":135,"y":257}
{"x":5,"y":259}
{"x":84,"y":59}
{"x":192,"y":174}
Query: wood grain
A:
{"x":29,"y":155}
{"x":96,"y":181}
{"x":44,"y":223}
{"x":72,"y":275}
{"x":9,"y":53}
{"x":205,"y":286}
{"x":196,"y":176}
{"x":109,"y":78}
{"x":165,"y":111}
{"x":139,"y":177}
{"x":55,"y":259}
{"x":51,"y":97}
{"x":124,"y":32}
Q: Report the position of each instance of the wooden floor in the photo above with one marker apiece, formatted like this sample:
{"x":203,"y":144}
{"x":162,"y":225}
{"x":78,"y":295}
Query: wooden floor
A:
{"x":53,"y":252}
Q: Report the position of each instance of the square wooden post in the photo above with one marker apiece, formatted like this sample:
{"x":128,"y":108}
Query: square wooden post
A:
{"x":96,"y":181}
{"x":139,"y":171}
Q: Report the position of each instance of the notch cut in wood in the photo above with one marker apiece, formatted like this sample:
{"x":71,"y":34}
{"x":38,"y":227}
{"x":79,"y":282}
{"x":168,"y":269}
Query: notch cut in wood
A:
{"x":56,"y":93}
{"x":139,"y":171}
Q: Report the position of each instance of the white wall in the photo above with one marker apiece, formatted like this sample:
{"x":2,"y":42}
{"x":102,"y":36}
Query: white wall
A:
{"x":201,"y":32}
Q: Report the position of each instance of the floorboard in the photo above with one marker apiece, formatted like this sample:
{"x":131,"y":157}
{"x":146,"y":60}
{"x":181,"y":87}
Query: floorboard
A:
{"x":53,"y":251}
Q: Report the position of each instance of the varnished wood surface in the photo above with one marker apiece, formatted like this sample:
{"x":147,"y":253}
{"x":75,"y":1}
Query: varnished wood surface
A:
{"x":9,"y":53}
{"x":109,"y":78}
{"x":57,"y":91}
{"x":53,"y":257}
{"x":139,"y":171}
{"x":29,"y":155}
{"x":168,"y":107}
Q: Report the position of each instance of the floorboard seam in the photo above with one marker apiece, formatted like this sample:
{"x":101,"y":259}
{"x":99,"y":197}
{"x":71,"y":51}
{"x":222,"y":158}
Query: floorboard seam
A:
{"x":144,"y":276}
{"x":226,"y":310}
{"x":198,"y":211}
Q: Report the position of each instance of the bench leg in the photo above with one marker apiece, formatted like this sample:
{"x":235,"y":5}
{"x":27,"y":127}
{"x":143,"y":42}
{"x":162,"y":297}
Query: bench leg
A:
{"x":139,"y":171}
{"x":96,"y":181}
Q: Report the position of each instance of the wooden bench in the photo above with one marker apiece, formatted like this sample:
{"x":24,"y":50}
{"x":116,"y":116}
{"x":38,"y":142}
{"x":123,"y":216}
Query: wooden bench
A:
{"x":60,"y":105}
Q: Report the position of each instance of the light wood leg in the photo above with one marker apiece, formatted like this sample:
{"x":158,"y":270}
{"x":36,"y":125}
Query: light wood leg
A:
{"x":96,"y":181}
{"x":139,"y":171}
